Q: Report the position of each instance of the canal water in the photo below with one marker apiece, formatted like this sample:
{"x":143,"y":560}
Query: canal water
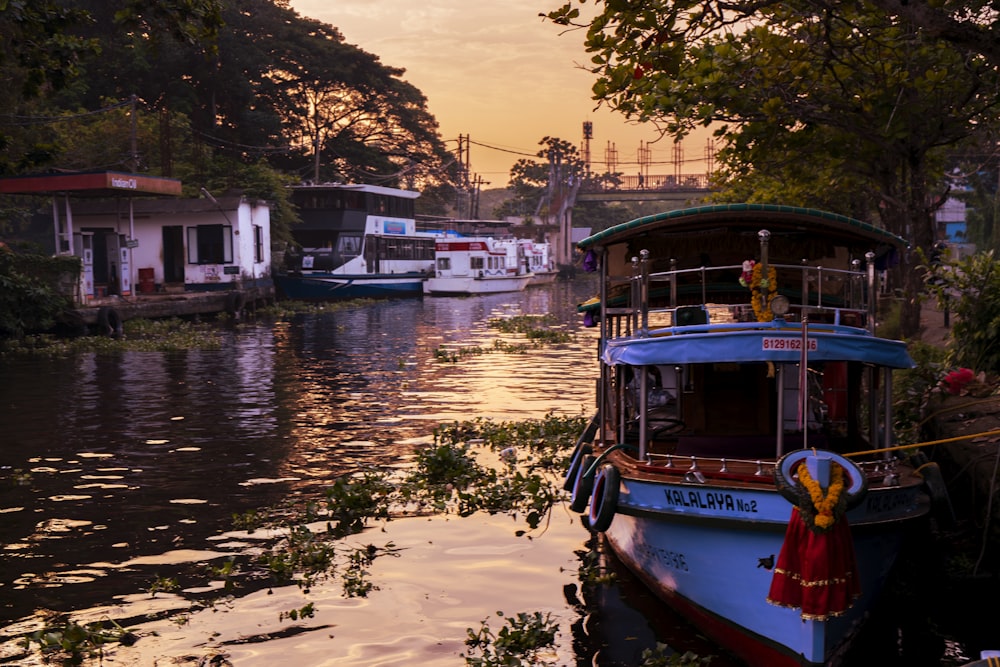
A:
{"x":121,"y":470}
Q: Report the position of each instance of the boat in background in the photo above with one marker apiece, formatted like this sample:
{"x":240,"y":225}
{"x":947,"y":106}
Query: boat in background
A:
{"x":356,"y":241}
{"x":538,"y":256}
{"x":477,"y":265}
{"x":741,"y":459}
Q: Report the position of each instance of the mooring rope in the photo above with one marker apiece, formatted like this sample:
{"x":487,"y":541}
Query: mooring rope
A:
{"x":942,"y":441}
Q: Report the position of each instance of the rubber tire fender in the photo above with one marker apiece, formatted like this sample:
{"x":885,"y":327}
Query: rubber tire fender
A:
{"x":110,"y":321}
{"x":787,"y":485}
{"x":235,"y":301}
{"x":582,"y":485}
{"x":604,"y":502}
{"x":582,"y":450}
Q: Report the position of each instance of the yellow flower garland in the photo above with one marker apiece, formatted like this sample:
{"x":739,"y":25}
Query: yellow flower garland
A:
{"x":757,"y":283}
{"x":824,"y":505}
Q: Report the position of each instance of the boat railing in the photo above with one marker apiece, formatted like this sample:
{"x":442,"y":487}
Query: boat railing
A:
{"x":700,"y":468}
{"x":715,"y":294}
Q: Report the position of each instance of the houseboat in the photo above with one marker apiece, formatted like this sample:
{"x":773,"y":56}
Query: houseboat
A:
{"x":538,"y":256}
{"x":477,"y":265}
{"x":355,"y":241}
{"x":741,"y":460}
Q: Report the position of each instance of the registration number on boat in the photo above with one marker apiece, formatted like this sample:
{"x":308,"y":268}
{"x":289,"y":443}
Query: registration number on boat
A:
{"x":786,"y":343}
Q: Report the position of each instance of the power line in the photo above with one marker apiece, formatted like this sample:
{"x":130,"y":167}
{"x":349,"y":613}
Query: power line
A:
{"x":42,"y":120}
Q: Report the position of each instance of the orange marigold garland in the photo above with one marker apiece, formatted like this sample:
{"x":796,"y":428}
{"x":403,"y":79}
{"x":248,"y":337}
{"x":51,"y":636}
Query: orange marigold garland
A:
{"x":757,"y":284}
{"x":820,"y":511}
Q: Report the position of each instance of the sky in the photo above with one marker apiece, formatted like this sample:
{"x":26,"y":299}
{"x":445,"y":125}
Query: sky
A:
{"x":496,"y":73}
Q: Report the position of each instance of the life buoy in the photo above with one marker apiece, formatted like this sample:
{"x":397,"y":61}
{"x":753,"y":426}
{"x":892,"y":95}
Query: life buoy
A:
{"x":582,"y":485}
{"x":604,"y":501}
{"x":784,"y":475}
{"x":110,"y":321}
{"x":235,"y":302}
{"x":582,"y":449}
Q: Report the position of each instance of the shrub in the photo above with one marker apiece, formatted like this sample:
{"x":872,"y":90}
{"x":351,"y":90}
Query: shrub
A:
{"x":30,"y":295}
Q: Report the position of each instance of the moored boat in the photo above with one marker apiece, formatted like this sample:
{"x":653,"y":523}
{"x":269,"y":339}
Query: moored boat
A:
{"x":356,"y":241}
{"x":477,"y":265}
{"x":538,"y":257}
{"x":741,"y":460}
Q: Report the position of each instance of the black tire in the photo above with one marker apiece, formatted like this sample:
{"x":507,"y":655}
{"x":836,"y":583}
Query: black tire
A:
{"x":583,"y":485}
{"x":110,"y":321}
{"x":235,"y":301}
{"x":604,"y":503}
{"x":582,"y":449}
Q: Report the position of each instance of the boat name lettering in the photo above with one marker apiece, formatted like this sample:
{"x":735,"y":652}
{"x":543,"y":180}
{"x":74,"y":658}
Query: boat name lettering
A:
{"x":710,"y":500}
{"x":127,"y":183}
{"x":786,"y":343}
{"x":887,"y":502}
{"x":671,"y":559}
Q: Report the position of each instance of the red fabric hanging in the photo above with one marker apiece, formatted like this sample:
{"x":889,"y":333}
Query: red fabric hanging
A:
{"x":816,"y":572}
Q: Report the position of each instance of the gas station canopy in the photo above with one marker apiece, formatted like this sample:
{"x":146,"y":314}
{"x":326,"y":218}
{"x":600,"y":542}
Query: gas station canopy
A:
{"x":90,"y":184}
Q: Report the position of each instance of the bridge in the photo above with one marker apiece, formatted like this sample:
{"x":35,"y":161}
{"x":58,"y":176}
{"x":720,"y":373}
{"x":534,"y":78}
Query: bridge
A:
{"x":681,"y":188}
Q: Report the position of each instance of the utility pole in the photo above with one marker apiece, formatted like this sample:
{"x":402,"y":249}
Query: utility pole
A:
{"x":588,"y":134}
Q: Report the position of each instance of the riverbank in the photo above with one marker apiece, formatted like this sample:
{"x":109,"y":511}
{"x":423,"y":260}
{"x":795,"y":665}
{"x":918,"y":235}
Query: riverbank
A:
{"x":962,"y":438}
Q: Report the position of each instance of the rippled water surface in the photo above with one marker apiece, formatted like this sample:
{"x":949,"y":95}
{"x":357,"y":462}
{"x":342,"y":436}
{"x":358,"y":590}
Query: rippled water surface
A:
{"x":119,"y":469}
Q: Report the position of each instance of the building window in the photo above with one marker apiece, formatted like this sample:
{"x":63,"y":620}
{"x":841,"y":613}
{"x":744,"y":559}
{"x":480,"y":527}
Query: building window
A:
{"x":210,"y":244}
{"x":258,"y":244}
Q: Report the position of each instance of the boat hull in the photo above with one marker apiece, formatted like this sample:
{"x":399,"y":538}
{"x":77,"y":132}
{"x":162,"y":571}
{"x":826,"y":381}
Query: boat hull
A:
{"x":325,"y":287}
{"x":710,"y":554}
{"x":468,"y":285}
{"x":543,"y":278}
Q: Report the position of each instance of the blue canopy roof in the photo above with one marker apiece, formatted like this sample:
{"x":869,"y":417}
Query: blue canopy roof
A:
{"x":775,"y":345}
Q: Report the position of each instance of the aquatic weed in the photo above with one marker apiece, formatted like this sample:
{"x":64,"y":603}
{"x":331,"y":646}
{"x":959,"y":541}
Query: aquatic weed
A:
{"x":76,"y":641}
{"x":519,"y":642}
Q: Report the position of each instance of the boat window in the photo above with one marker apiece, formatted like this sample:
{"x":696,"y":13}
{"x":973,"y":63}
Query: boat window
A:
{"x":476,"y":263}
{"x":444,"y":263}
{"x":348,"y":246}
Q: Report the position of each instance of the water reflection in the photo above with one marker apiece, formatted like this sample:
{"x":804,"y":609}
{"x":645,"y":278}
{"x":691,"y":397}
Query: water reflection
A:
{"x":111,"y":459}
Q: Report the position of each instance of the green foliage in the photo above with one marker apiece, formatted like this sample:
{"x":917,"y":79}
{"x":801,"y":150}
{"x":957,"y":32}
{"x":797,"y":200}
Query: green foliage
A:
{"x":306,"y":611}
{"x":520,"y":642}
{"x":970,"y":289}
{"x":351,"y":501}
{"x":31,"y":292}
{"x":75,"y":641}
{"x":164,"y":584}
{"x":140,"y":335}
{"x":912,"y":389}
{"x":842,"y":107}
{"x":663,"y":656}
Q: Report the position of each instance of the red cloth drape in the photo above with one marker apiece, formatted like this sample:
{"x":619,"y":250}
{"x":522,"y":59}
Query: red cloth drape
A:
{"x":816,"y":572}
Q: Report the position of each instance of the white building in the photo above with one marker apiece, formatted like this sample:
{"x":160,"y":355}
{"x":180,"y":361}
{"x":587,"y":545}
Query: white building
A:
{"x":140,"y":246}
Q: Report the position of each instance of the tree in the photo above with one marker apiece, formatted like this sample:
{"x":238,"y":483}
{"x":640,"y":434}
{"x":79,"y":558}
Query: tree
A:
{"x":838,"y":106}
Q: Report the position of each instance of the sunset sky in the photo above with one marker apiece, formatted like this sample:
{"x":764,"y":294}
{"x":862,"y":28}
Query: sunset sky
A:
{"x":496,"y":72}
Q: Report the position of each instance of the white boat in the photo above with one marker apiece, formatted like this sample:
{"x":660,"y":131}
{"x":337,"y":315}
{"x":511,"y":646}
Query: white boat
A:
{"x":538,"y":256}
{"x":477,"y":265}
{"x":356,"y":241}
{"x":741,"y":461}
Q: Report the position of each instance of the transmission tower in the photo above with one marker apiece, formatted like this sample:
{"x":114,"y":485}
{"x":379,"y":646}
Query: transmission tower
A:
{"x":611,"y":158}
